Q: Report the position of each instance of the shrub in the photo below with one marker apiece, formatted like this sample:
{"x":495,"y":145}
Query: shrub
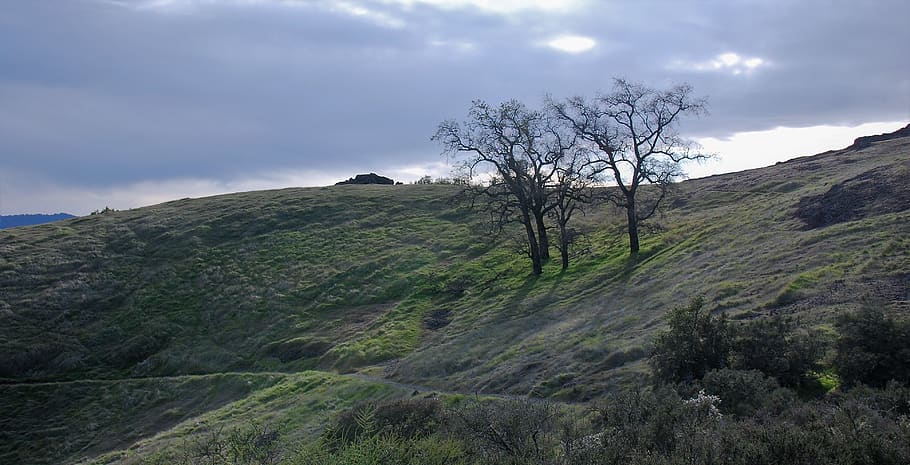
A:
{"x":413,"y":418}
{"x":872,"y":348}
{"x":638,"y":419}
{"x":255,"y":444}
{"x":742,"y":392}
{"x":513,"y":432}
{"x":386,"y":449}
{"x":774,"y":347}
{"x":694,"y":343}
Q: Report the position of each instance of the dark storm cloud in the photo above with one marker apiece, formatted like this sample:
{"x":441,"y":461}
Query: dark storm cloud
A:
{"x":94,"y":93}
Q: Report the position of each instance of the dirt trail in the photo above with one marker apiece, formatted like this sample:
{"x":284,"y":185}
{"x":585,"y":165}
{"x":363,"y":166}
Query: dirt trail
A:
{"x":415,"y":388}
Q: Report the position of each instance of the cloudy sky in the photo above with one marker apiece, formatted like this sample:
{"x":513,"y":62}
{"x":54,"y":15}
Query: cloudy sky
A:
{"x":125,"y":103}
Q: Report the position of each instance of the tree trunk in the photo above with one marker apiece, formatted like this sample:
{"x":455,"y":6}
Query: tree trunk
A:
{"x":565,"y":255}
{"x":532,"y":246}
{"x":542,"y":235}
{"x":564,"y":242}
{"x":633,"y":228}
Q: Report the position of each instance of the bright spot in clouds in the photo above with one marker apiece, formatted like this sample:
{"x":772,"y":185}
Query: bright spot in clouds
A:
{"x":456,"y":45}
{"x":359,"y":11}
{"x":725,"y":62}
{"x":572,"y":44}
{"x":495,"y":6}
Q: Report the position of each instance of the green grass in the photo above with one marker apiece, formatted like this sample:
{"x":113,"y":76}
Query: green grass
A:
{"x":297,"y":405}
{"x":345,"y":279}
{"x":819,"y":383}
{"x":395,"y":334}
{"x":64,"y":422}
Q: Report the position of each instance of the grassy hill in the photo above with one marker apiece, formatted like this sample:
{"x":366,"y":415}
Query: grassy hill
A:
{"x":125,"y":330}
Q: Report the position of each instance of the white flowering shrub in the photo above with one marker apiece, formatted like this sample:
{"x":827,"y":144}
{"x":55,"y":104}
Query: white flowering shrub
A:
{"x":705,"y":405}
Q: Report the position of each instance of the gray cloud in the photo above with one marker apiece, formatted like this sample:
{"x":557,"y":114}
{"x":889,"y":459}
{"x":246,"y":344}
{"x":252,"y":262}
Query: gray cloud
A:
{"x":101,"y":93}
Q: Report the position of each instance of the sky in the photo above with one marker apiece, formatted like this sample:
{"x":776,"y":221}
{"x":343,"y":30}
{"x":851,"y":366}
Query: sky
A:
{"x":125,"y":103}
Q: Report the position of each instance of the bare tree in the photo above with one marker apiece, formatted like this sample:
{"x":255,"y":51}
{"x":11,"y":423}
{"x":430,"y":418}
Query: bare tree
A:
{"x":519,"y":149}
{"x":633,"y":138}
{"x":571,"y":190}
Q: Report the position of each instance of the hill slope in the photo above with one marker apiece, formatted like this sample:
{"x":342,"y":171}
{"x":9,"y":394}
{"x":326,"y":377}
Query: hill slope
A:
{"x":398,"y":282}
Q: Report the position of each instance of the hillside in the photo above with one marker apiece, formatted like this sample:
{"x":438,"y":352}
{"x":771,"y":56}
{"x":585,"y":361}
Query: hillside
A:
{"x":259,"y":304}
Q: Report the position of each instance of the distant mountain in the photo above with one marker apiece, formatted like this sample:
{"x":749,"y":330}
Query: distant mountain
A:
{"x":11,"y":221}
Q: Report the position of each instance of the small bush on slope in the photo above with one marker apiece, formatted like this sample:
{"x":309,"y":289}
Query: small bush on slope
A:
{"x":694,"y":342}
{"x":872,"y":348}
{"x":407,"y":419}
{"x":776,"y":348}
{"x":743,"y":392}
{"x":255,"y":444}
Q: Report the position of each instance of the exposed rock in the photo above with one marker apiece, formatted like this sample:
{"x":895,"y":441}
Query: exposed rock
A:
{"x":875,"y":192}
{"x":866,"y":141}
{"x":371,"y":178}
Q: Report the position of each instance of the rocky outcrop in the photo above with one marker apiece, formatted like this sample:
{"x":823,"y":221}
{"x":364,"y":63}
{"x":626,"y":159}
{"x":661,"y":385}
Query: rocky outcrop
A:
{"x":865,"y":141}
{"x":875,"y":192}
{"x":371,"y":178}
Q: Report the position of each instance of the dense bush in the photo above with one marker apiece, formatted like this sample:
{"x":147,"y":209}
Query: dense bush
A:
{"x":385,"y":449}
{"x":742,"y":392}
{"x":637,"y":419}
{"x":517,"y":432}
{"x":254,"y":444}
{"x":694,"y":343}
{"x":657,"y":426}
{"x":872,"y":348}
{"x":662,"y":428}
{"x":413,"y":418}
{"x":776,"y":348}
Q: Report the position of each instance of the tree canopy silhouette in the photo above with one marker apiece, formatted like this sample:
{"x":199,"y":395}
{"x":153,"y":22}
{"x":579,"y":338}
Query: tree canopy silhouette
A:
{"x":632,"y":137}
{"x":519,"y":150}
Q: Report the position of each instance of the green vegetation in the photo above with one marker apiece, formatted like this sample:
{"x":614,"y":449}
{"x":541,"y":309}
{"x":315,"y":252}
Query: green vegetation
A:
{"x":694,"y":343}
{"x":63,"y":422}
{"x":655,"y":426}
{"x":873,"y":348}
{"x":777,"y":347}
{"x":131,"y":333}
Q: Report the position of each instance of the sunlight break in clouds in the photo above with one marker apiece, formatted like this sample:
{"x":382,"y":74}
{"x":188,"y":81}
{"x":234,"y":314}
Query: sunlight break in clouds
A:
{"x":572,"y":44}
{"x":80,"y":200}
{"x":724,"y":62}
{"x":755,"y":149}
{"x":19,"y":190}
